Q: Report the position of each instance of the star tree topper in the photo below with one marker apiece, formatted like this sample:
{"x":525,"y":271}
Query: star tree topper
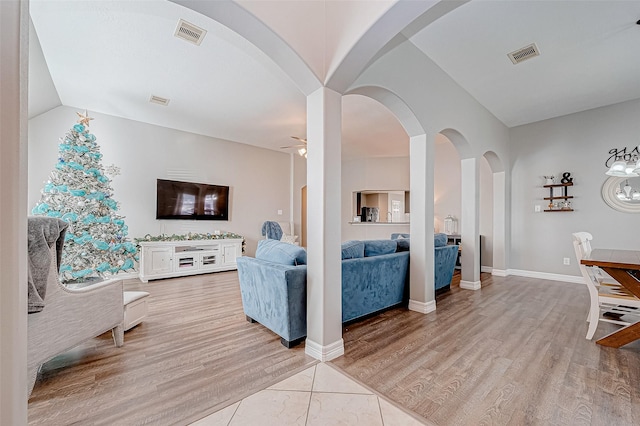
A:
{"x":84,"y":118}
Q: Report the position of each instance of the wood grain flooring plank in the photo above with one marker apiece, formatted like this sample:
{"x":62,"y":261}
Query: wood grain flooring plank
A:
{"x":194,"y":351}
{"x":511,"y":353}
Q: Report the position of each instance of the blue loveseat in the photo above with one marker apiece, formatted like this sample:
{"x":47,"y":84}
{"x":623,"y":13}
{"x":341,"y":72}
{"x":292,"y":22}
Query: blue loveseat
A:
{"x":444,"y":259}
{"x":273,"y":284}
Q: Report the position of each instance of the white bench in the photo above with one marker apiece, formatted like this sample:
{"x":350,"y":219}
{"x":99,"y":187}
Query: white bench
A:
{"x":135,"y":308}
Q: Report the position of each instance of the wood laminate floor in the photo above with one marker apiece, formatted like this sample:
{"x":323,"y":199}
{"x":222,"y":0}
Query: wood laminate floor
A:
{"x":193,"y":354}
{"x":512,"y":353}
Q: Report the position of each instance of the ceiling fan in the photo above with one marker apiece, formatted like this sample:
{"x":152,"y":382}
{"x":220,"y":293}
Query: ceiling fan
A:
{"x":301,"y":147}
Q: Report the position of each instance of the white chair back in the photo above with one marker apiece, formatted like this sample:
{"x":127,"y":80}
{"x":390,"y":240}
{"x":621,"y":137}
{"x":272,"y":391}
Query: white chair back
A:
{"x":585,"y":243}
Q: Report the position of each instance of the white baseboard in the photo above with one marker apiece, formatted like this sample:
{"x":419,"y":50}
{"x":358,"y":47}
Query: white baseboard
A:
{"x":488,"y":269}
{"x":324,"y":353}
{"x":422,"y":307}
{"x":499,"y":272}
{"x":127,"y":275}
{"x":470,"y":285}
{"x":546,"y":276}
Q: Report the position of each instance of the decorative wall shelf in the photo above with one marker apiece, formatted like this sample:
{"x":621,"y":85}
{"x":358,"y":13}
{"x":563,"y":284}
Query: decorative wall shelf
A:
{"x":565,"y":196}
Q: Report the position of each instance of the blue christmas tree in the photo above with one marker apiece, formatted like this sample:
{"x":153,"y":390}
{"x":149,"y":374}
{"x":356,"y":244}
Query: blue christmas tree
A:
{"x":79,"y":192}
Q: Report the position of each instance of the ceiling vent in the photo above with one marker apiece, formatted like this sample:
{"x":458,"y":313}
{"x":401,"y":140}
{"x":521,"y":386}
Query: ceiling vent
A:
{"x":158,"y":100}
{"x":523,"y":54}
{"x":189,"y":32}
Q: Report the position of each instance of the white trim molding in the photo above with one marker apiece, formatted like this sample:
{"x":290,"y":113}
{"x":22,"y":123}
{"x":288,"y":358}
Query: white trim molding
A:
{"x":488,"y":269}
{"x":546,"y":276}
{"x":324,"y":353}
{"x":499,"y":272}
{"x":422,"y":307}
{"x":126,"y":275}
{"x":470,"y":285}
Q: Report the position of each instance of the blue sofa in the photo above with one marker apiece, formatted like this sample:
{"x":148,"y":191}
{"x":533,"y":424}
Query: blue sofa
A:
{"x":273,"y":284}
{"x":444,"y":258}
{"x":375,"y":276}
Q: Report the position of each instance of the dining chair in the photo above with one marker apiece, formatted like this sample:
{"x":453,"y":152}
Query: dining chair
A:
{"x":608,"y":302}
{"x":585,"y":249}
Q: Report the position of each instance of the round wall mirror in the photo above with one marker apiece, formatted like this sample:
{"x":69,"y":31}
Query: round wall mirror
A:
{"x":622,"y":193}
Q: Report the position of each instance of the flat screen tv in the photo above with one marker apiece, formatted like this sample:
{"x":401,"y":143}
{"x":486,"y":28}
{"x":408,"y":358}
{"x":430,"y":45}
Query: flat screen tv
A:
{"x":191,"y":201}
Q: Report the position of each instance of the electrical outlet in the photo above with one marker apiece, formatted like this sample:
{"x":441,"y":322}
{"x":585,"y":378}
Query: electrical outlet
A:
{"x":279,"y":212}
{"x":567,"y":261}
{"x":537,"y":208}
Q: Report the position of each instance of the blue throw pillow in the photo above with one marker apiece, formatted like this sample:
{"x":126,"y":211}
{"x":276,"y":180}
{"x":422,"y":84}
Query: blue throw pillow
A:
{"x":440,"y":240}
{"x":352,"y":249}
{"x":378,"y":247}
{"x":399,"y":236}
{"x":279,"y":252}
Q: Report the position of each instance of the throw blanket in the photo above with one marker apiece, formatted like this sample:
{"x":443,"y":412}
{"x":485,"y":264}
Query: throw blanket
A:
{"x":272,"y":230}
{"x":43,"y":233}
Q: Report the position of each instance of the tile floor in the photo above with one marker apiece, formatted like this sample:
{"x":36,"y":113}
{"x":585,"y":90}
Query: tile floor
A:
{"x":317,"y":396}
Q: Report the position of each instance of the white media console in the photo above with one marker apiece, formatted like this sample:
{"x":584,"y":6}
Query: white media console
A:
{"x":165,"y":259}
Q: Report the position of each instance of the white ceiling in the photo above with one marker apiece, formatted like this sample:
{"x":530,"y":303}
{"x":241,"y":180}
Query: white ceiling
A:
{"x":589,"y":55}
{"x":111,"y":56}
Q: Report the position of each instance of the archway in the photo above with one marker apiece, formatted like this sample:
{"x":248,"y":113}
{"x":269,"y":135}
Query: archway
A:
{"x":421,"y":147}
{"x":499,"y":218}
{"x":469,"y":210}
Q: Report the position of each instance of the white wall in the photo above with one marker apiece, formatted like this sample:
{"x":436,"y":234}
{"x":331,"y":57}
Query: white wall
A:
{"x":577,"y":143}
{"x":299,"y":178}
{"x":486,"y":213}
{"x":259,"y":179}
{"x":447,"y":183}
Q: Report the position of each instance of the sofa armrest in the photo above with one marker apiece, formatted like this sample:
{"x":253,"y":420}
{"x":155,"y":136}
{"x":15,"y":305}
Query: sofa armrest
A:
{"x":444,"y":265}
{"x":370,"y":284}
{"x":275,"y":295}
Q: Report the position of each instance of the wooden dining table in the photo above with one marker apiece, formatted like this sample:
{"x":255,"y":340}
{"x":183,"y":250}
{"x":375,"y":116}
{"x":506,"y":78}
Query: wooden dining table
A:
{"x":624,"y":267}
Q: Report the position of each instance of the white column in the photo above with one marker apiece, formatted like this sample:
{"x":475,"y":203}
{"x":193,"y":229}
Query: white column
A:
{"x":470,"y":225}
{"x":324,"y":267}
{"x":421,"y":265}
{"x":499,"y":225}
{"x":14,"y":32}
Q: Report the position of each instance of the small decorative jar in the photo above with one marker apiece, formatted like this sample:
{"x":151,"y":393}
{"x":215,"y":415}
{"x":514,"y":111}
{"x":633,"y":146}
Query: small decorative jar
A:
{"x":550,"y":180}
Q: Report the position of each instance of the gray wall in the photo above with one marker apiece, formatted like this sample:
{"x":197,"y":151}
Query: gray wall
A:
{"x":577,"y":143}
{"x":259,"y":179}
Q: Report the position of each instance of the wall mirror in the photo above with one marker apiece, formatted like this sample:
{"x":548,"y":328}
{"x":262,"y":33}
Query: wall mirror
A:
{"x":622,"y":193}
{"x":381,"y":206}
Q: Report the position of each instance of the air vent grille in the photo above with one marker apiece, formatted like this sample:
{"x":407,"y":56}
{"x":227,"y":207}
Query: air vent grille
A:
{"x":189,"y":32}
{"x":523,"y":54}
{"x":158,"y":100}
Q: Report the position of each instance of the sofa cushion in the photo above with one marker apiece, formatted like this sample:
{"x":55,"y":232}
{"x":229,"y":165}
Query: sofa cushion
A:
{"x":440,"y":240}
{"x":280,"y":252}
{"x":352,"y":249}
{"x":379,"y":247}
{"x":403,"y":244}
